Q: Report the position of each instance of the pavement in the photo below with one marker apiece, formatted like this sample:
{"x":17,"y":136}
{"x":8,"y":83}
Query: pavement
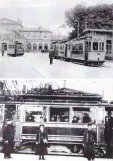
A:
{"x":29,"y":157}
{"x":36,"y":65}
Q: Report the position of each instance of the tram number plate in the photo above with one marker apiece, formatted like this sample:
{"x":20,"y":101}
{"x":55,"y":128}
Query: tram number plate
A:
{"x":65,"y":138}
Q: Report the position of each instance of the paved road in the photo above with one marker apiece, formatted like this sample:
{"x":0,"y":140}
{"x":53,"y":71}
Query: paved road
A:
{"x":29,"y":157}
{"x":36,"y":65}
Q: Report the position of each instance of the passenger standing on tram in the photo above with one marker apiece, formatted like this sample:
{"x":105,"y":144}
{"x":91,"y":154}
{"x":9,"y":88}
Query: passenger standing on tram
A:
{"x":89,"y":140}
{"x":51,"y":56}
{"x":8,"y":140}
{"x":108,"y":132}
{"x":41,"y":142}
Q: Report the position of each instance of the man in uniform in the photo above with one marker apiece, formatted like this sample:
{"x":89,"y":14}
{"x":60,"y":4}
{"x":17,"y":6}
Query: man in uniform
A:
{"x":51,"y":56}
{"x":89,"y":141}
{"x":108,"y":132}
{"x":8,"y":139}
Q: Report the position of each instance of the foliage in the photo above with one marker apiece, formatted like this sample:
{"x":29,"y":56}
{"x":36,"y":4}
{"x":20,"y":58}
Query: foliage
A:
{"x":99,"y":17}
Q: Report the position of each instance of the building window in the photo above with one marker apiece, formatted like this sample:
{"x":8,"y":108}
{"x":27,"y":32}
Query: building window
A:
{"x":40,"y":46}
{"x":29,"y":46}
{"x":35,"y":46}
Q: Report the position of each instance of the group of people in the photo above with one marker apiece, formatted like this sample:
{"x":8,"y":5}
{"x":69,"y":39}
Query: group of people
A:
{"x":89,"y":140}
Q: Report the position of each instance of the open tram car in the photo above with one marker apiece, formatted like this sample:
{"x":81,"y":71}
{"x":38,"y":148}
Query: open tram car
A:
{"x":57,"y":110}
{"x":85,"y":50}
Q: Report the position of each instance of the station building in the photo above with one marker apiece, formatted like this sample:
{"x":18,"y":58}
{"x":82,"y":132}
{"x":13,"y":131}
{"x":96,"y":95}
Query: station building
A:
{"x":33,"y":39}
{"x":36,"y":38}
{"x":107,"y":34}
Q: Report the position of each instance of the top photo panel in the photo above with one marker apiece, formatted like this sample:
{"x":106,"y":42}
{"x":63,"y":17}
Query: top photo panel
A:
{"x":56,"y":39}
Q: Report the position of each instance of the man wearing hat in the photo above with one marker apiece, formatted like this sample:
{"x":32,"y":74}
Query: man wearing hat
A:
{"x":108,"y":132}
{"x":89,"y":140}
{"x":8,"y":139}
{"x":51,"y":55}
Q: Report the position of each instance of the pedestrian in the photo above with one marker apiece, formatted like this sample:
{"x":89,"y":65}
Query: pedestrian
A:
{"x":2,"y":50}
{"x":89,"y":140}
{"x":41,"y":142}
{"x":108,"y":132}
{"x":51,"y":56}
{"x":8,"y":140}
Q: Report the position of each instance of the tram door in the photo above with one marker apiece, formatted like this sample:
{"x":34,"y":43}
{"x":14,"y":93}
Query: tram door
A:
{"x":86,"y":51}
{"x":65,"y":50}
{"x":2,"y":113}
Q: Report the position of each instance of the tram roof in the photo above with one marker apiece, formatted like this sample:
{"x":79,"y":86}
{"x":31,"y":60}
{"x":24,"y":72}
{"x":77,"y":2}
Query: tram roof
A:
{"x":99,"y":30}
{"x":81,"y":38}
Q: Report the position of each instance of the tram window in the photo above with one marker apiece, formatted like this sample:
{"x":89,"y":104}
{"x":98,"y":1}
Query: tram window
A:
{"x":77,"y":47}
{"x":69,"y":46}
{"x":59,"y":114}
{"x":73,"y":47}
{"x":84,"y":115}
{"x":81,"y":47}
{"x":89,"y":46}
{"x":95,"y":45}
{"x":35,"y":113}
{"x":102,"y":46}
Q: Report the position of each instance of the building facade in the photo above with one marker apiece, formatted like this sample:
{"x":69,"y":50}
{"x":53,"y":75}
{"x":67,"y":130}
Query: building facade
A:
{"x":33,"y":39}
{"x":36,"y":38}
{"x":107,"y":34}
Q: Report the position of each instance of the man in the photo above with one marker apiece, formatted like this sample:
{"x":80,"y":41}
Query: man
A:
{"x":108,"y":132}
{"x":8,"y":140}
{"x":75,"y":119}
{"x":2,"y":50}
{"x":51,"y":56}
{"x":89,"y":140}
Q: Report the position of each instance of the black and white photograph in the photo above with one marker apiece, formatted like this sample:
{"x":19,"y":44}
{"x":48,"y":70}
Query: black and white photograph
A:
{"x":56,"y":80}
{"x":56,"y":39}
{"x":56,"y":119}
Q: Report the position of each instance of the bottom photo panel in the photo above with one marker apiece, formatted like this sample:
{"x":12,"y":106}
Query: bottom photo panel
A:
{"x":56,"y":119}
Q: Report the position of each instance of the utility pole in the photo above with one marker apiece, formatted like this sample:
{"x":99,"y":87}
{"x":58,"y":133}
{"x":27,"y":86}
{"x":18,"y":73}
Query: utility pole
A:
{"x":78,"y":27}
{"x":64,"y":83}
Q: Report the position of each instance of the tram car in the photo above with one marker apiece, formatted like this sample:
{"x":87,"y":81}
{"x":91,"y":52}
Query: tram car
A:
{"x":85,"y":50}
{"x":15,"y":49}
{"x":58,"y":111}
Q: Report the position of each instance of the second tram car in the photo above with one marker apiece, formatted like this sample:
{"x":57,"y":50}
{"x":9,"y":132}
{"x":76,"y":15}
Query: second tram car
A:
{"x":85,"y":50}
{"x":15,"y":49}
{"x":58,"y":112}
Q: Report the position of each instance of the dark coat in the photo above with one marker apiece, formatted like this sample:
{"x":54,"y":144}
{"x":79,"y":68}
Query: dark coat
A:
{"x":41,"y":147}
{"x":89,"y":139}
{"x":108,"y":129}
{"x":8,"y":136}
{"x":50,"y":54}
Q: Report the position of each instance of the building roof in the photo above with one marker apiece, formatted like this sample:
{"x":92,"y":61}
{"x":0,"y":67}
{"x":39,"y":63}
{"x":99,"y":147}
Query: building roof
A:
{"x":99,"y":30}
{"x":8,"y":21}
{"x":37,"y":29}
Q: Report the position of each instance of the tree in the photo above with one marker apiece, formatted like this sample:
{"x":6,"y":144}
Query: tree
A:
{"x":80,"y":18}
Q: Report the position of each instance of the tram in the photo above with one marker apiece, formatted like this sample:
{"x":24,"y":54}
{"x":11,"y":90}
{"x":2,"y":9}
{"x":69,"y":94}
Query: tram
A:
{"x":15,"y":49}
{"x":86,"y":50}
{"x":58,"y":111}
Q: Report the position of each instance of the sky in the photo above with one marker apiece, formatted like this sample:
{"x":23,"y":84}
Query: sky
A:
{"x":103,"y":87}
{"x":49,"y":14}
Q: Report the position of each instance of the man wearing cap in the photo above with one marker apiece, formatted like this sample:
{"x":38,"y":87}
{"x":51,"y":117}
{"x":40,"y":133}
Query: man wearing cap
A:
{"x":108,"y":132}
{"x":8,"y":140}
{"x":89,"y":140}
{"x":51,"y":56}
